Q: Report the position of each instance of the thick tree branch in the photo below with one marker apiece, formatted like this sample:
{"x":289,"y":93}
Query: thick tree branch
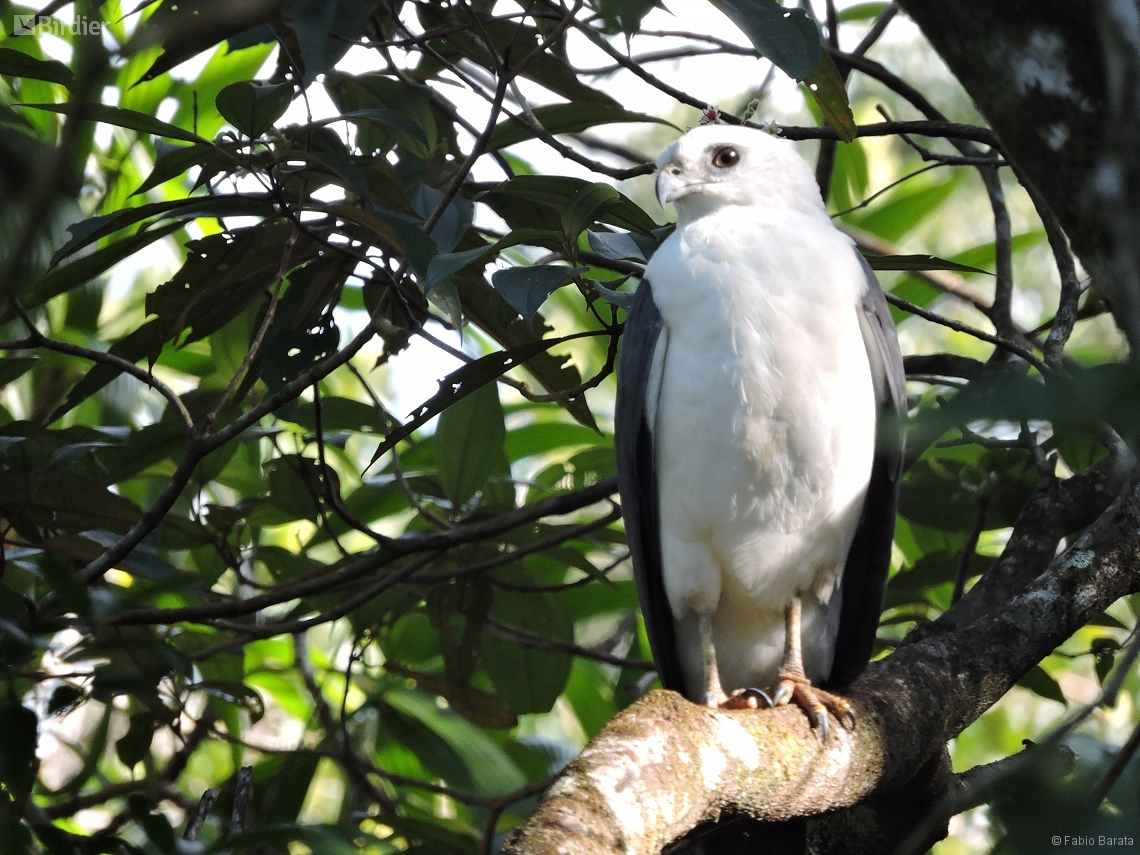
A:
{"x":665,"y":765}
{"x":1053,"y":78}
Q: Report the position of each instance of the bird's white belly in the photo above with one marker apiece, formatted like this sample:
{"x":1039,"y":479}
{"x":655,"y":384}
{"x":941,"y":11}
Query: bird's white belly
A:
{"x":764,"y":432}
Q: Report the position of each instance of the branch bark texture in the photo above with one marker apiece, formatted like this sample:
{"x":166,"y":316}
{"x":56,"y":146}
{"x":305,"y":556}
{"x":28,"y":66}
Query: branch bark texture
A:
{"x":1056,"y":79}
{"x":665,"y":765}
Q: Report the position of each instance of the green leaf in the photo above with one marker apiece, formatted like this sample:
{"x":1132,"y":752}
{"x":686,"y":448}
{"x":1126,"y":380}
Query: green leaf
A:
{"x":86,"y":232}
{"x":849,"y":177}
{"x":483,"y":305}
{"x":788,"y":37}
{"x":237,"y":694}
{"x":478,"y":707}
{"x":64,"y":501}
{"x":908,"y":206}
{"x":918,"y":262}
{"x":619,"y":246}
{"x":130,"y":119}
{"x":253,"y":109}
{"x":14,"y":63}
{"x":455,"y":750}
{"x":985,"y":255}
{"x":1040,"y":683}
{"x":14,"y":367}
{"x":590,"y":695}
{"x":445,"y":265}
{"x":569,"y":118}
{"x":294,"y":486}
{"x":134,"y":746}
{"x":175,"y":163}
{"x":154,"y":823}
{"x":536,"y":202}
{"x":830,"y":93}
{"x":526,"y":288}
{"x":467,"y":442}
{"x":459,"y":384}
{"x":544,"y":437}
{"x":585,"y":204}
{"x":623,"y":16}
{"x":280,"y":785}
{"x":189,"y":27}
{"x":528,"y":680}
{"x":289,"y":353}
{"x":862,"y":12}
{"x":341,"y":414}
{"x":82,"y":270}
{"x":324,"y":30}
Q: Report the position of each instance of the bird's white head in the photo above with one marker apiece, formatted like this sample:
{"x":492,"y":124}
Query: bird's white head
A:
{"x":717,"y":165}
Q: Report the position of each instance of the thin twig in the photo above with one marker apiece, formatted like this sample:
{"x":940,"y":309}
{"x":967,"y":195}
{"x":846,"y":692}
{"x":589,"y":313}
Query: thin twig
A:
{"x":1010,"y":346}
{"x":919,"y":127}
{"x":510,"y":557}
{"x":37,"y":339}
{"x":198,"y":818}
{"x":885,"y":188}
{"x":329,"y":579}
{"x":538,"y":642}
{"x":1119,"y":764}
{"x":242,"y":793}
{"x":970,"y":547}
{"x":877,"y":30}
{"x":1067,"y":314}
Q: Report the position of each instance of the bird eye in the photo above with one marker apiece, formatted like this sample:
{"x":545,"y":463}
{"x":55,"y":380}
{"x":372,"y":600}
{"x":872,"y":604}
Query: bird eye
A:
{"x":726,"y":157}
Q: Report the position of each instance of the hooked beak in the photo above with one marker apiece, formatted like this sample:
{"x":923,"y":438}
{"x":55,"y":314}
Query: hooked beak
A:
{"x":670,"y":184}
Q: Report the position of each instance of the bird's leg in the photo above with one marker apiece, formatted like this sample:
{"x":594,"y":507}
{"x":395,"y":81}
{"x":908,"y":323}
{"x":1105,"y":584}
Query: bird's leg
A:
{"x":794,"y":684}
{"x":714,"y":691}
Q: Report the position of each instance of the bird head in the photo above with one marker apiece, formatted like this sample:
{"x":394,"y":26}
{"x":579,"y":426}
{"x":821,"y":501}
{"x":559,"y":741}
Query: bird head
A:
{"x":717,"y":165}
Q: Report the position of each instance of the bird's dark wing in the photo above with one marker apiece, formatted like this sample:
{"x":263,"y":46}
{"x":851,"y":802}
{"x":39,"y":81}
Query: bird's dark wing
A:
{"x":868,"y":562}
{"x":637,"y":480}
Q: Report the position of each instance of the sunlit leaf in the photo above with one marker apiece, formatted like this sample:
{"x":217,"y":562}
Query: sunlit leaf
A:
{"x":14,"y":63}
{"x":253,"y":109}
{"x":119,"y":117}
{"x":830,"y":93}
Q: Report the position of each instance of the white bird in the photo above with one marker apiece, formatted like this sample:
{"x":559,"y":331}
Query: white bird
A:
{"x":759,"y":432}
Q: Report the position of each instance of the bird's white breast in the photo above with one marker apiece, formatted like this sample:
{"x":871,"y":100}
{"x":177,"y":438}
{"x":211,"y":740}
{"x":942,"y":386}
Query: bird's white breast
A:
{"x":764,"y":431}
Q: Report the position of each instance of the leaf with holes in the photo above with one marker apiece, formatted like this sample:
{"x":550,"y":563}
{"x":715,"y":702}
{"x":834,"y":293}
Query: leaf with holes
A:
{"x":788,"y":37}
{"x":830,"y":93}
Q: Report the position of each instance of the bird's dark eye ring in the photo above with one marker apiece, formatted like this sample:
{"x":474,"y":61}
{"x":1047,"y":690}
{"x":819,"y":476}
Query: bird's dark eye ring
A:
{"x":726,"y":157}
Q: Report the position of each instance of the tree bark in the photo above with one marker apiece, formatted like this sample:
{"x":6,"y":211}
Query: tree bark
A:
{"x":1058,"y":82}
{"x":665,"y":765}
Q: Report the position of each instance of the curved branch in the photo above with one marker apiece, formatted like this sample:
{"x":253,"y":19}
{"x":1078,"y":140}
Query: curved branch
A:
{"x":665,"y":765}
